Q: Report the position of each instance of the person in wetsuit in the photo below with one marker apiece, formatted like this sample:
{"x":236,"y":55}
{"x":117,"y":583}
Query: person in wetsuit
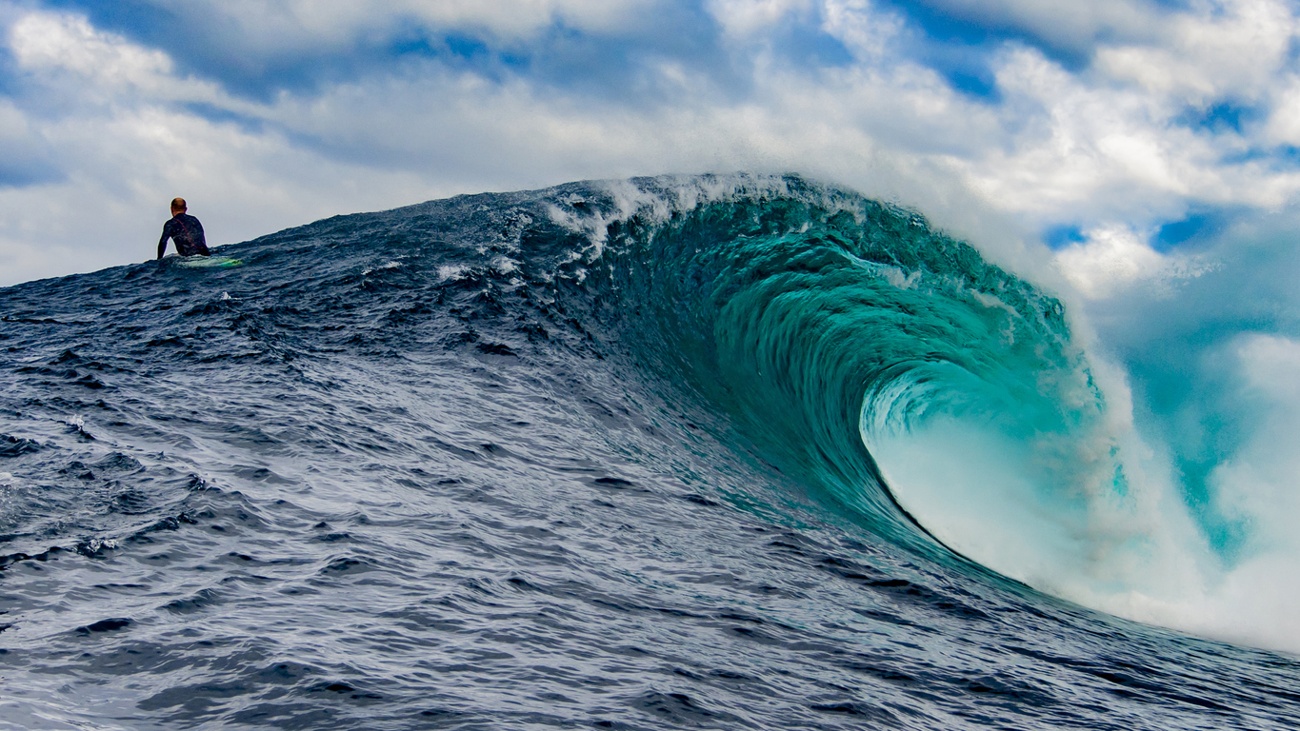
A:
{"x":185,"y":231}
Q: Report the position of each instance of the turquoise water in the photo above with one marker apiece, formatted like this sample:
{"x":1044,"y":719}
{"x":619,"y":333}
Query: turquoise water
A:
{"x":821,"y":321}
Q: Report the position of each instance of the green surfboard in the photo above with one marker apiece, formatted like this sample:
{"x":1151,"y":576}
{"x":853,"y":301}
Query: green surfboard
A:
{"x":208,"y":262}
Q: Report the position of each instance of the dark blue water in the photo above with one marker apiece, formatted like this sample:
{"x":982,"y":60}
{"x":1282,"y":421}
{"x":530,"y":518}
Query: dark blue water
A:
{"x":587,"y":457}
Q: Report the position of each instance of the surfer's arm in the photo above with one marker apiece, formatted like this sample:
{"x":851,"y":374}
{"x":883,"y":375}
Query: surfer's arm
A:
{"x":162,"y":244}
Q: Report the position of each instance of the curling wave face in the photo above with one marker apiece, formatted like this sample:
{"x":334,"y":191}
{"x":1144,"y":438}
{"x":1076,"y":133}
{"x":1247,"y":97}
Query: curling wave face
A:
{"x":929,"y":393}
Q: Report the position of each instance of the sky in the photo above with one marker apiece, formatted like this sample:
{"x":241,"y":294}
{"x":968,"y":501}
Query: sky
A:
{"x":1141,"y":158}
{"x":1103,"y":135}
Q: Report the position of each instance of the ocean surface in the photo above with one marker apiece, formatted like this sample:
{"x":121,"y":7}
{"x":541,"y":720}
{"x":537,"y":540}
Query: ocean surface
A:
{"x":736,"y":452}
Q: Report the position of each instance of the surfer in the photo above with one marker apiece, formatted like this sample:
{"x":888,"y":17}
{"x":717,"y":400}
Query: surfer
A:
{"x":185,"y":231}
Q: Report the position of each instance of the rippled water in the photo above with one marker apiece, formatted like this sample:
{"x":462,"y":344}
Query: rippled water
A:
{"x":585,"y":457}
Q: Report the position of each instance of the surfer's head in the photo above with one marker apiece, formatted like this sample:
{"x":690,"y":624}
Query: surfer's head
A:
{"x":178,"y":206}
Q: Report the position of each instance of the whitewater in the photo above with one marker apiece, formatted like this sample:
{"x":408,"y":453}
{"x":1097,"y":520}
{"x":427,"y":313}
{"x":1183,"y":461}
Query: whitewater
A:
{"x":722,"y":452}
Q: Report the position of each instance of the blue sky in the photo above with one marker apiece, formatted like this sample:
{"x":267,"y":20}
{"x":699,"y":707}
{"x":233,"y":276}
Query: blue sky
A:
{"x":1111,"y":128}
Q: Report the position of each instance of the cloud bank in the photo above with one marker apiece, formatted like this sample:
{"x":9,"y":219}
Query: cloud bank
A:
{"x":1058,"y":121}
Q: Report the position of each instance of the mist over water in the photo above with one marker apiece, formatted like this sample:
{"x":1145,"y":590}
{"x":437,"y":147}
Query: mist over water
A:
{"x":716,"y":451}
{"x":1209,"y":360}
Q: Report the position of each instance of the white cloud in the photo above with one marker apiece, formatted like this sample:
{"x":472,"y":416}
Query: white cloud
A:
{"x":514,"y":19}
{"x":78,"y":65}
{"x":866,"y":30}
{"x":1283,"y":124}
{"x":1088,"y":148}
{"x":1205,"y":56}
{"x":1071,"y":25}
{"x":1113,"y":258}
{"x":746,"y":17}
{"x":42,"y":40}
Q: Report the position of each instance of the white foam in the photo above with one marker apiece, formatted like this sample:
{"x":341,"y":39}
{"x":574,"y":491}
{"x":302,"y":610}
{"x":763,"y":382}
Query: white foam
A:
{"x":381,"y":267}
{"x":657,"y":199}
{"x":505,"y":265}
{"x":448,"y":272}
{"x":1142,"y":555}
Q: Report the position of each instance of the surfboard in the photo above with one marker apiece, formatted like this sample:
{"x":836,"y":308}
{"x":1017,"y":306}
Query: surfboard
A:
{"x":208,"y":262}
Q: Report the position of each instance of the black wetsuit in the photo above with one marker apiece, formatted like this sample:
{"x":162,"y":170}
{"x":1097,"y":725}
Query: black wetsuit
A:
{"x":187,"y":233}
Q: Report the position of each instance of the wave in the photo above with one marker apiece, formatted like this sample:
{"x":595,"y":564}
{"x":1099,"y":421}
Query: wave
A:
{"x":842,"y":345}
{"x":924,"y":392}
{"x":856,"y":345}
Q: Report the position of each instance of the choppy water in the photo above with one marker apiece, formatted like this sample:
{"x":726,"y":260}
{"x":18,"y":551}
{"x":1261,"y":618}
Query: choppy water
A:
{"x":589,"y":457}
